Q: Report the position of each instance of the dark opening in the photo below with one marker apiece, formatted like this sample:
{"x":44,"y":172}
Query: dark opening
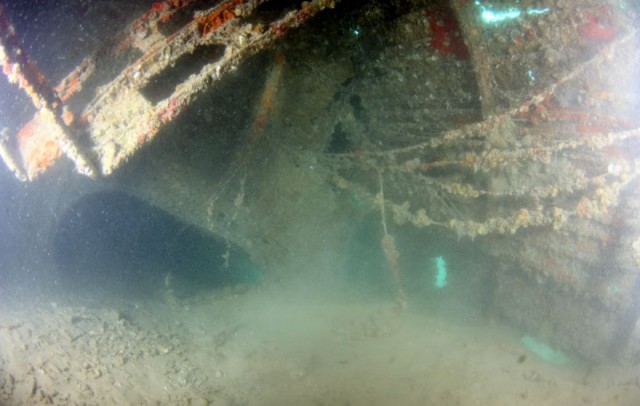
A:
{"x":111,"y":240}
{"x":163,"y":84}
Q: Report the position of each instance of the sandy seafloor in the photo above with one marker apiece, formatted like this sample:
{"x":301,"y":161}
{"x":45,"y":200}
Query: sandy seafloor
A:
{"x":277,"y":344}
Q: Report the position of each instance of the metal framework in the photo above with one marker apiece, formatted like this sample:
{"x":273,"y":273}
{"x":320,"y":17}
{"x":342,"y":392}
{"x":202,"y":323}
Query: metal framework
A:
{"x":98,"y":128}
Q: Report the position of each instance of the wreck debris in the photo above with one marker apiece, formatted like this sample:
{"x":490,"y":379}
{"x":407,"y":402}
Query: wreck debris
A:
{"x":550,"y":163}
{"x":119,"y":119}
{"x":20,"y":69}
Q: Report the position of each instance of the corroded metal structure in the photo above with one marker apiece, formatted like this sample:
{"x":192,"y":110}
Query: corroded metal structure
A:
{"x":521,"y":136}
{"x":545,"y":175}
{"x":99,"y":127}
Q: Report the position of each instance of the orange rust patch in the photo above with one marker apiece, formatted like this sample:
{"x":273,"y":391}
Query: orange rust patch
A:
{"x":68,"y":88}
{"x":38,"y":146}
{"x":68,"y":117}
{"x":212,"y":21}
{"x":267,"y":99}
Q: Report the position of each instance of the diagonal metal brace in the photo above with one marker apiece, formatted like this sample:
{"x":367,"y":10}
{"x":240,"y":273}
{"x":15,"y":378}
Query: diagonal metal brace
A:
{"x":21,"y":70}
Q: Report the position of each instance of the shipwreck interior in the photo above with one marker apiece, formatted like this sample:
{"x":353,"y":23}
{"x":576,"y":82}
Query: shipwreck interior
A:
{"x":501,"y":136}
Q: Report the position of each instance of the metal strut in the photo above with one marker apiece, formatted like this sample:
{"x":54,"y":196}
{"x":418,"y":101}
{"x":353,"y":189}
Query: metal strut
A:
{"x":21,"y":70}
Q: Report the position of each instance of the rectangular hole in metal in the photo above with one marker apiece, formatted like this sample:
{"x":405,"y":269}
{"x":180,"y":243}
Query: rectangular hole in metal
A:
{"x":163,"y":84}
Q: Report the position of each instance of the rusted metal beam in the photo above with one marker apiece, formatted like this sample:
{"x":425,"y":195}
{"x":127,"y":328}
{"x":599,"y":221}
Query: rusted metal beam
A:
{"x":239,"y":41}
{"x":21,"y":70}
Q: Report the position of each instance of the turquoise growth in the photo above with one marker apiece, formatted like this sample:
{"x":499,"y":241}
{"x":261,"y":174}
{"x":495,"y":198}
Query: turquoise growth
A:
{"x":441,"y":273}
{"x":543,"y":351}
{"x":489,"y":16}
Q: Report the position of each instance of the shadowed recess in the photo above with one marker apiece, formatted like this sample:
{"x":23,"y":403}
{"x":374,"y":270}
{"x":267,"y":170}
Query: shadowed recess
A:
{"x":112,"y":240}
